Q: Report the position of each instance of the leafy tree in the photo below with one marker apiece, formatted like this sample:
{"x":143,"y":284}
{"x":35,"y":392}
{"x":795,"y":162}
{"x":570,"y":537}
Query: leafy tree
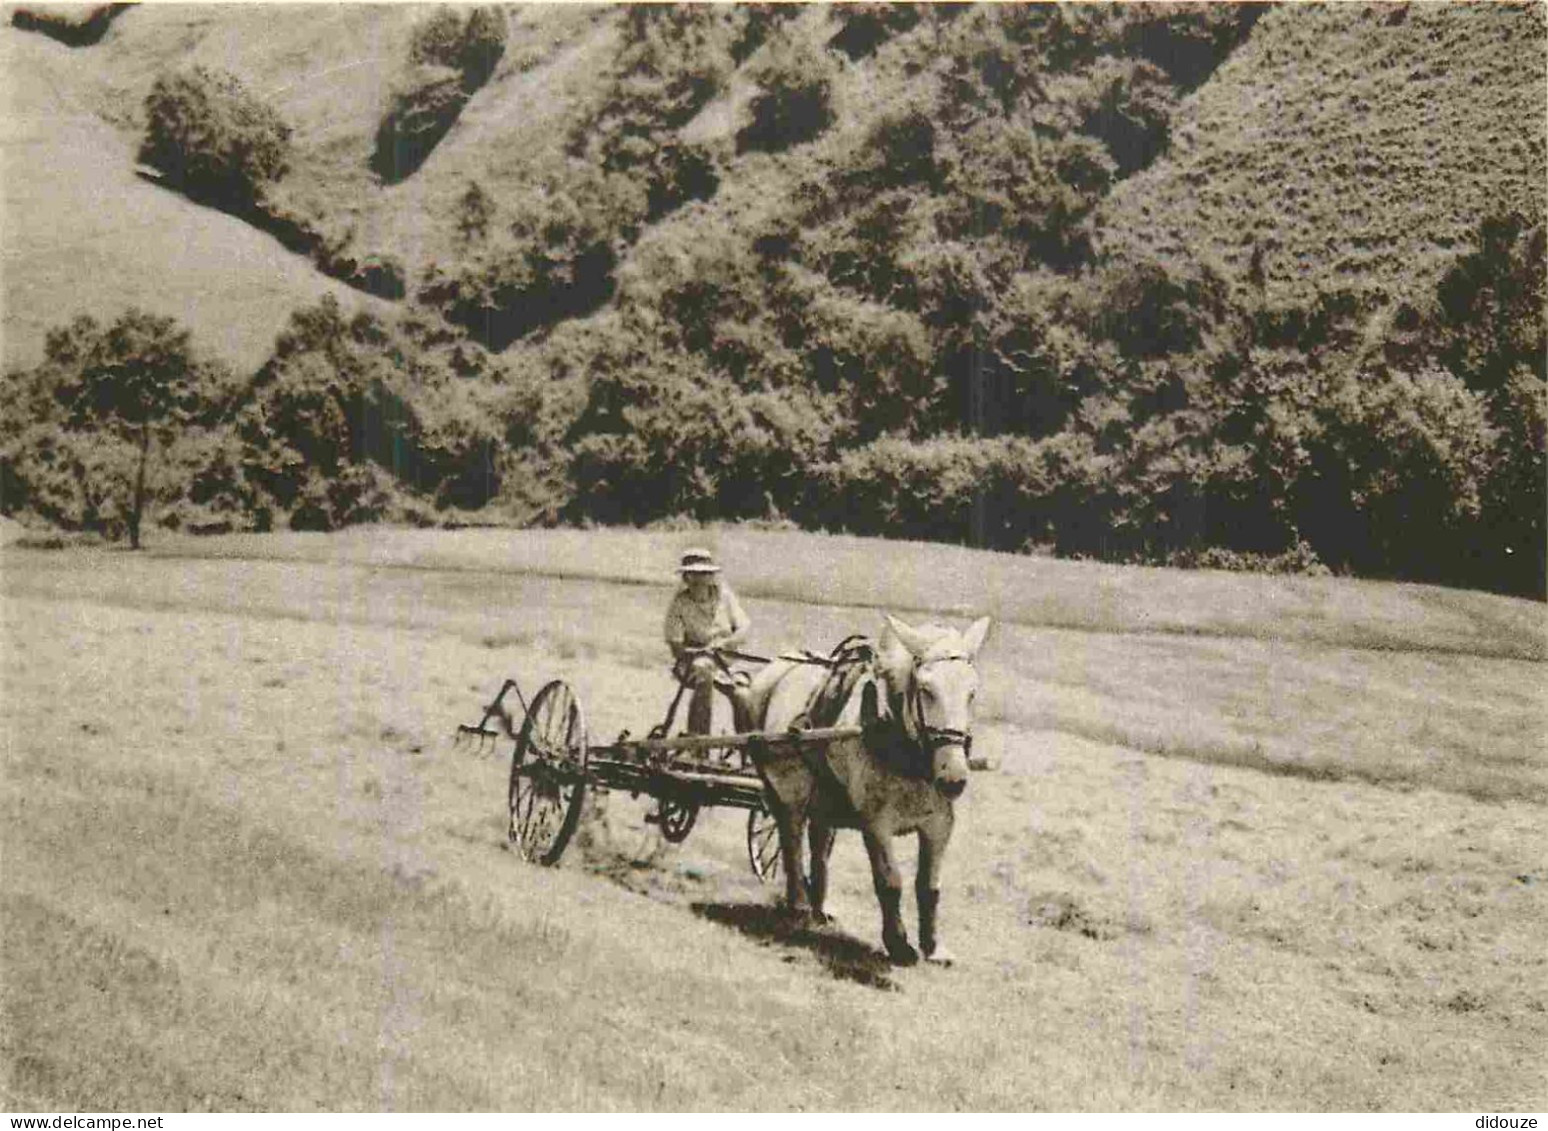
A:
{"x":140,"y":380}
{"x":1131,"y":111}
{"x":475,"y":210}
{"x":1492,"y":332}
{"x":661,"y":441}
{"x":863,"y":27}
{"x":674,"y":58}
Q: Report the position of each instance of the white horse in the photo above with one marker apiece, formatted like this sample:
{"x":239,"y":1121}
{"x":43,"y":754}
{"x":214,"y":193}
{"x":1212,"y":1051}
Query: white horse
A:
{"x":914,"y":697}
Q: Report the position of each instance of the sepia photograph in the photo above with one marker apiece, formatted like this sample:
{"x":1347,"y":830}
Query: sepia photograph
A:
{"x":773,"y":557}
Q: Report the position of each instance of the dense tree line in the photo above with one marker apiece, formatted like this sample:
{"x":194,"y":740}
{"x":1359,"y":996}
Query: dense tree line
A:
{"x":923,"y":339}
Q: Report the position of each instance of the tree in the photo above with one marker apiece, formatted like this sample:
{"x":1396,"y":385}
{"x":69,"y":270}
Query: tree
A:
{"x":138,"y":379}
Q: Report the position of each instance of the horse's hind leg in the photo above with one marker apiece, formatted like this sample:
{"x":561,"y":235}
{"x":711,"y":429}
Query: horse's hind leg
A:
{"x":889,"y":893}
{"x":790,"y":818}
{"x":820,"y":841}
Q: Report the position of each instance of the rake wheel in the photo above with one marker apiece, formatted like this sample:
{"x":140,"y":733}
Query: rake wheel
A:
{"x":763,"y":844}
{"x":676,"y":818}
{"x":548,"y":775}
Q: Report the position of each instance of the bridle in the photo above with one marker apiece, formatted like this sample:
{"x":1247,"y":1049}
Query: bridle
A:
{"x":930,"y":737}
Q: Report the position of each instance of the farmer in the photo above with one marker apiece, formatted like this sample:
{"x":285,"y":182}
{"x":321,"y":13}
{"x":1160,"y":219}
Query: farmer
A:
{"x":704,"y":614}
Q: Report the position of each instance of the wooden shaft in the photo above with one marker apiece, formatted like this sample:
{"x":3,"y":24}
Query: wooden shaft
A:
{"x":734,"y":741}
{"x":628,"y":770}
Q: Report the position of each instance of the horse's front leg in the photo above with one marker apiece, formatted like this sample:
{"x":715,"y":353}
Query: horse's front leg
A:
{"x":889,"y":893}
{"x":927,"y":886}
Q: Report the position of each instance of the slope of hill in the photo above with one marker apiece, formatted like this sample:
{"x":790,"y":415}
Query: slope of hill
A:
{"x":1160,"y":282}
{"x":1350,"y":146}
{"x":83,"y":234}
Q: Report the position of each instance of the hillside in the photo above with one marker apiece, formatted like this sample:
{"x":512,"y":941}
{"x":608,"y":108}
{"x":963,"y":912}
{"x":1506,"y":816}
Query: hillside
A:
{"x":1182,"y":284}
{"x":84,"y":234}
{"x":1349,"y":145}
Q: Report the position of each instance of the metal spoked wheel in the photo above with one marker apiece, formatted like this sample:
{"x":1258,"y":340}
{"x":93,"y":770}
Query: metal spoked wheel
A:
{"x":675,"y":818}
{"x":548,"y":775}
{"x":763,"y":844}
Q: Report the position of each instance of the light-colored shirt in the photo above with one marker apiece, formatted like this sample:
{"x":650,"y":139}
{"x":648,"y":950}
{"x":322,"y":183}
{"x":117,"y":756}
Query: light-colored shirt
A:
{"x":695,"y":624}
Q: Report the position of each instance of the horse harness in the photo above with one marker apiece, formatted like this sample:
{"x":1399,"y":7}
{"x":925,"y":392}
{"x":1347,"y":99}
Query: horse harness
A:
{"x":931,"y":738}
{"x":904,"y":729}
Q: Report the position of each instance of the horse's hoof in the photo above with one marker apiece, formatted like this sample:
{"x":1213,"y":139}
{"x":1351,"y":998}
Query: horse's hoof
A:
{"x":901,"y":953}
{"x":940,"y":956}
{"x":797,"y":916}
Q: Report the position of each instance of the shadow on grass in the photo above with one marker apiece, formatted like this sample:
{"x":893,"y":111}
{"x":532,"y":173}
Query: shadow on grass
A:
{"x":844,"y":957}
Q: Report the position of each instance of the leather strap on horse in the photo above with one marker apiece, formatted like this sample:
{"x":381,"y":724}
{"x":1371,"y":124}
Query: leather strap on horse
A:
{"x":847,"y":664}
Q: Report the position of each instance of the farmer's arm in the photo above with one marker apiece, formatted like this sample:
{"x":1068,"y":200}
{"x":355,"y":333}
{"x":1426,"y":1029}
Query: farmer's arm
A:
{"x":740,"y":622}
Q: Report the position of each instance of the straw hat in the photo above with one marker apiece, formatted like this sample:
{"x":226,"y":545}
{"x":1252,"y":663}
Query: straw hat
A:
{"x":698,"y":561}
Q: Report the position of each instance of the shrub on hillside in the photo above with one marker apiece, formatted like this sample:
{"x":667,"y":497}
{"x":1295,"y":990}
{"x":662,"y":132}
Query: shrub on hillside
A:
{"x":470,"y":44}
{"x":660,"y":442}
{"x":1006,"y":493}
{"x":1130,"y":110}
{"x":422,"y":112}
{"x":876,"y":361}
{"x":1399,"y":471}
{"x":475,"y":212}
{"x":75,"y":25}
{"x":863,"y":27}
{"x":212,"y":139}
{"x":758,"y":22}
{"x":555,"y":262}
{"x":1187,"y":41}
{"x":1037,"y":363}
{"x":1150,"y":307}
{"x":452,"y":55}
{"x":672,"y":60}
{"x":351,"y":415}
{"x":794,"y":101}
{"x":1037,"y":192}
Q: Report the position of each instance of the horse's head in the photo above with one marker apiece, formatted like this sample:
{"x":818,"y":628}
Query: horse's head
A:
{"x":930,"y":672}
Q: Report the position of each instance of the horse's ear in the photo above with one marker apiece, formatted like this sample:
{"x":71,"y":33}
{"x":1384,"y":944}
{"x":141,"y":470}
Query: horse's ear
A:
{"x":907,"y":636}
{"x":973,"y":638}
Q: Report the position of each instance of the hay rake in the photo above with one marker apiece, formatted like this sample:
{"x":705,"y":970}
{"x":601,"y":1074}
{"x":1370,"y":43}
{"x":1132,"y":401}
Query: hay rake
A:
{"x":553,"y":765}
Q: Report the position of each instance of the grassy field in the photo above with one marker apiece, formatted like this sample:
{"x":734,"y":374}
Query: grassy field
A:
{"x":1252,"y":843}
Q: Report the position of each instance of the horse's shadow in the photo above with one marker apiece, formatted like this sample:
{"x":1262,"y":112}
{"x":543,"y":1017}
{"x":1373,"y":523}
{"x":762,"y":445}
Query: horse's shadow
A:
{"x":842,"y":956}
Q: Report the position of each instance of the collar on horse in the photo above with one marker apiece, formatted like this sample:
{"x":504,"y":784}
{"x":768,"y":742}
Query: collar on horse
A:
{"x":903,"y":731}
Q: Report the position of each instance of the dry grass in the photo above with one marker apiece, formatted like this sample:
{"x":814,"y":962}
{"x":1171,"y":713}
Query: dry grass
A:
{"x":232,"y":808}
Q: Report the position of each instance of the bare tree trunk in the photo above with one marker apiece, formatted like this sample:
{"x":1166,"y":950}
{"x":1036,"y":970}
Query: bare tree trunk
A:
{"x":138,"y":507}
